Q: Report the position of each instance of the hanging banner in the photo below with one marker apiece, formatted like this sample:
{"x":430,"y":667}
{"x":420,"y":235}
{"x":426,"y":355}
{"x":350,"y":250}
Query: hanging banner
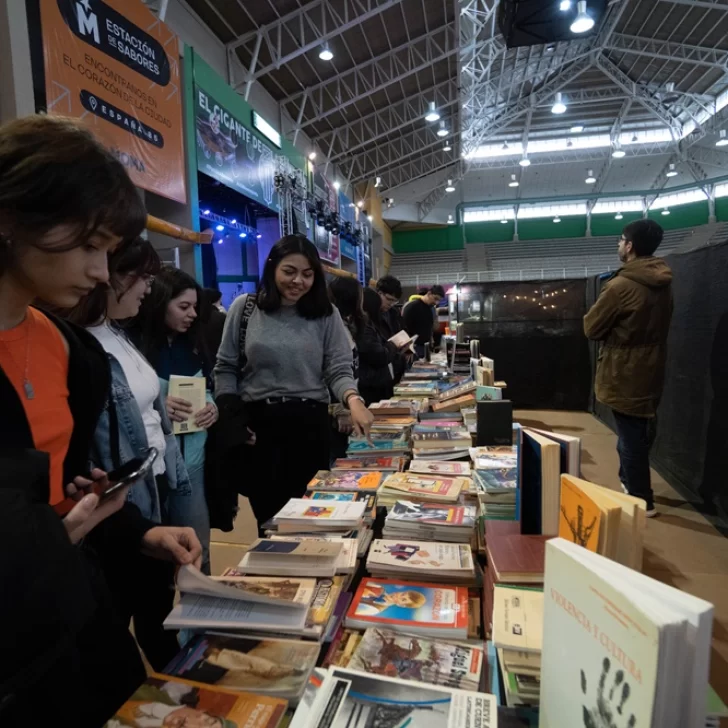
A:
{"x":230,"y":152}
{"x":326,"y":242}
{"x":116,"y":66}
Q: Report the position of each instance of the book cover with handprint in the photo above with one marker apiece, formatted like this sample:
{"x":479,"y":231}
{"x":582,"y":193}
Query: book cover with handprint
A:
{"x":580,"y":518}
{"x":600,"y":650}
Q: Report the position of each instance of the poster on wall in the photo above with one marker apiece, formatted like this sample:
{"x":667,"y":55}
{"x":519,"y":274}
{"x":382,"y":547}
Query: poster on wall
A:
{"x":116,"y":66}
{"x":233,"y":154}
{"x":327,"y":244}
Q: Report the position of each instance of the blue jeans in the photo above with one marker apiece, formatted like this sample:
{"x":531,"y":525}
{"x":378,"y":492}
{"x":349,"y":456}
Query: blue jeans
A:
{"x":186,"y":506}
{"x":635,"y":436}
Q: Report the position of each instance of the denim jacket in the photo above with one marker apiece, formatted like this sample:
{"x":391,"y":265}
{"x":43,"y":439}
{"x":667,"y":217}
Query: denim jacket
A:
{"x":133,"y":441}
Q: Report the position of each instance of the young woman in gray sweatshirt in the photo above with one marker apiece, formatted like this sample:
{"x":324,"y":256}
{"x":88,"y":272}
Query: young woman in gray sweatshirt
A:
{"x":296,"y":349}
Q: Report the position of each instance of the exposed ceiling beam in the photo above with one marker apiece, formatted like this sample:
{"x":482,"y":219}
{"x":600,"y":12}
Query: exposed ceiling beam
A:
{"x":416,"y":168}
{"x":306,"y":28}
{"x":361,"y":133}
{"x":345,"y":89}
{"x":715,"y":157}
{"x":668,"y":51}
{"x":707,"y":4}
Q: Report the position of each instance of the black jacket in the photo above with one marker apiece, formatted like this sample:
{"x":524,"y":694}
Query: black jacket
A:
{"x":62,"y":635}
{"x":419,"y":318}
{"x":375,"y":356}
{"x":390,"y":322}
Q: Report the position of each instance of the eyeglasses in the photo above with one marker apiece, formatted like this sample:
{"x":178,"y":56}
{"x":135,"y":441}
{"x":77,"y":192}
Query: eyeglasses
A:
{"x":391,"y":299}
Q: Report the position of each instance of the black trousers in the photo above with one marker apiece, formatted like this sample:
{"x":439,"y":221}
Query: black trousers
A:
{"x":292,"y":442}
{"x":635,"y":436}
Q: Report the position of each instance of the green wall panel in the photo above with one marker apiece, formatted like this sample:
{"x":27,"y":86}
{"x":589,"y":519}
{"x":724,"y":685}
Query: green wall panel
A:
{"x":606,"y":224}
{"x":547,"y":229}
{"x":721,"y":209}
{"x":683,"y":216}
{"x":426,"y":241}
{"x":489,"y":232}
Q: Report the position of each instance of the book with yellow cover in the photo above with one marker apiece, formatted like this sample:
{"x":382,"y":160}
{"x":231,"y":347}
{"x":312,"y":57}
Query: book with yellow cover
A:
{"x":171,"y":701}
{"x":580,"y":517}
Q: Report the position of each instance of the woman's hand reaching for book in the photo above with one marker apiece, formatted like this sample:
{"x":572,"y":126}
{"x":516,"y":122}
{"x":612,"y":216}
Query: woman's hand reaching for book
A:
{"x":361,"y":418}
{"x":89,"y":512}
{"x":172,"y":543}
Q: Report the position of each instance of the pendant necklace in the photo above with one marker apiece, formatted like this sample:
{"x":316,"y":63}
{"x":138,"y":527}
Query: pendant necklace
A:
{"x":27,"y":384}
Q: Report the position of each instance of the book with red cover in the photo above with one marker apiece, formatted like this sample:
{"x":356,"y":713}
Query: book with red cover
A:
{"x":515,"y":558}
{"x":410,"y":607}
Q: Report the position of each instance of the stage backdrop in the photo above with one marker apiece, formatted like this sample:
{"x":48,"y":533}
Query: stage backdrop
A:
{"x":116,"y":66}
{"x":692,"y":423}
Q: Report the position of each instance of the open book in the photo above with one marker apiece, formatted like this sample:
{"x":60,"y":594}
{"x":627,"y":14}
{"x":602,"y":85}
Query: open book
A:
{"x":402,"y":340}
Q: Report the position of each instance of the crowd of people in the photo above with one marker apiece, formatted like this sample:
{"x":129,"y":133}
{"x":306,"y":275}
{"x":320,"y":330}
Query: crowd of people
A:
{"x":92,"y":328}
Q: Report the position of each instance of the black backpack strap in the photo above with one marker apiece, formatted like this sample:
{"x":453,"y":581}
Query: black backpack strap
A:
{"x":251,"y":303}
{"x":114,"y":433}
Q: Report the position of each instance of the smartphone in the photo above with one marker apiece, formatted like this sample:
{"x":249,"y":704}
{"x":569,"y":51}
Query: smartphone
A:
{"x":127,"y":474}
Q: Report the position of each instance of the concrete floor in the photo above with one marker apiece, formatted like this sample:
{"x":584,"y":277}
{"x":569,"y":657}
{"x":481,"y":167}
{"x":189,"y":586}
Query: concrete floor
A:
{"x":681,"y":547}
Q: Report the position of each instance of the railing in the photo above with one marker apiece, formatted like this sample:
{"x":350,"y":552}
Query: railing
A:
{"x":486,"y":276}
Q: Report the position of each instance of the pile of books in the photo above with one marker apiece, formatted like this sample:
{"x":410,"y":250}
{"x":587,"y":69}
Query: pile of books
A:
{"x":431,"y":521}
{"x":449,"y":563}
{"x":391,"y":443}
{"x":376,"y":463}
{"x":302,"y":516}
{"x":420,"y":488}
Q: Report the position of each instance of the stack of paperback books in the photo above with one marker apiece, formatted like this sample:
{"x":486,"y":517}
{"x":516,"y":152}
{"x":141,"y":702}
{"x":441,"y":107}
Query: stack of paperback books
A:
{"x":431,"y":521}
{"x":448,"y":563}
{"x":301,"y":515}
{"x":420,"y":488}
{"x":391,"y":443}
{"x":496,"y":480}
{"x":378,"y":463}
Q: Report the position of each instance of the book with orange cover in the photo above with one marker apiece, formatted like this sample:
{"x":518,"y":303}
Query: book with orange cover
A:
{"x":163,"y":700}
{"x":580,"y":517}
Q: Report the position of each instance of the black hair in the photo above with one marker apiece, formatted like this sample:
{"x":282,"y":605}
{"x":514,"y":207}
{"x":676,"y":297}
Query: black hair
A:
{"x":372,"y":306}
{"x":136,"y":258}
{"x":645,"y":236}
{"x":390,"y":286}
{"x":315,"y":304}
{"x":150,"y":331}
{"x":54,"y":172}
{"x":438,"y":291}
{"x":212,"y":295}
{"x":346,"y":294}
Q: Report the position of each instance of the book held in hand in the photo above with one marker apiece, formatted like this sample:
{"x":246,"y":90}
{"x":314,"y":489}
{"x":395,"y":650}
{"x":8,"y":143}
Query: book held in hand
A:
{"x":194,"y":390}
{"x":171,"y":701}
{"x":411,"y":607}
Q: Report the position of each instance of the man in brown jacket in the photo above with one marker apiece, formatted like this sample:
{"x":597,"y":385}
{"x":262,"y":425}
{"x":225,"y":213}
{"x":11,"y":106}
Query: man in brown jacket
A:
{"x":631,"y":318}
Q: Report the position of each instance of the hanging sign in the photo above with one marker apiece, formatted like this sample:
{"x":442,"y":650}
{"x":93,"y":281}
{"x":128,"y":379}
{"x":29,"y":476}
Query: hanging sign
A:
{"x":115,"y":65}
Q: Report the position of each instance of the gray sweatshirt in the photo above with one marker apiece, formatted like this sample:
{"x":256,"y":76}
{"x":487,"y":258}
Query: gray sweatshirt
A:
{"x":287,"y":356}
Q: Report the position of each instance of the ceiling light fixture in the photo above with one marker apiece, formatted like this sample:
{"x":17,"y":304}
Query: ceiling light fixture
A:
{"x":590,"y":178}
{"x":665,"y":212}
{"x":432,"y":114}
{"x":619,"y":153}
{"x":505,"y":146}
{"x":450,"y":220}
{"x":447,"y":147}
{"x":449,"y":187}
{"x":635,"y":139}
{"x":205,"y":212}
{"x":525,"y":162}
{"x":360,"y":204}
{"x":722,"y":141}
{"x":513,"y":182}
{"x":337,"y":185}
{"x":243,"y":235}
{"x":312,"y":155}
{"x":618,"y":216}
{"x":220,"y":242}
{"x":671,"y":172}
{"x":258,"y":236}
{"x":370,"y":218}
{"x":577,"y":128}
{"x":565,"y":5}
{"x":504,"y":222}
{"x":219,"y":228}
{"x":233,"y":221}
{"x":559,"y":106}
{"x":325,"y":54}
{"x":442,"y":131}
{"x":378,"y":182}
{"x":583,"y":21}
{"x":557,"y":219}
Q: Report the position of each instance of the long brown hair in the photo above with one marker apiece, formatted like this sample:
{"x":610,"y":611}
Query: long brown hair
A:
{"x":54,"y":172}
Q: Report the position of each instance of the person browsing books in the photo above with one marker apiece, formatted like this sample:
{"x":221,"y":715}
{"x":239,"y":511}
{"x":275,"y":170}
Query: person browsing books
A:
{"x":169,"y":334}
{"x":420,"y":317}
{"x":65,"y":203}
{"x":631,"y":319}
{"x":135,"y":420}
{"x":295,"y":350}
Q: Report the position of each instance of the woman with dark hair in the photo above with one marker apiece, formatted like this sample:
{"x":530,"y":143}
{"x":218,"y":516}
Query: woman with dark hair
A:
{"x":377,"y":356}
{"x":169,"y":335}
{"x":65,"y":203}
{"x":295,"y":350}
{"x":134,"y":420}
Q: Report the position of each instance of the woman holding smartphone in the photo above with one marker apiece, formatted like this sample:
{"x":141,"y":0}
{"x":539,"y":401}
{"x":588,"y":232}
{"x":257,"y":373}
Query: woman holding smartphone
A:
{"x":65,"y":203}
{"x":296,"y":350}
